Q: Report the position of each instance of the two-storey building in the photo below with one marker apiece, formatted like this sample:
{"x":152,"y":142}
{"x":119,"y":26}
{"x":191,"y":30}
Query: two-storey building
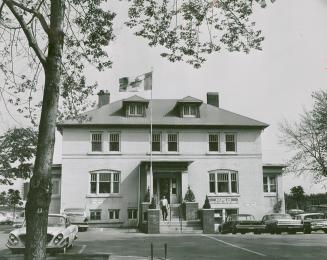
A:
{"x":111,"y":158}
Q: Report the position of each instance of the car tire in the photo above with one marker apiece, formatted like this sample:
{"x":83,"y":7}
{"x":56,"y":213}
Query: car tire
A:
{"x":234,"y":231}
{"x":278,"y":232}
{"x":307,"y":231}
{"x":325,"y":231}
{"x":64,"y":249}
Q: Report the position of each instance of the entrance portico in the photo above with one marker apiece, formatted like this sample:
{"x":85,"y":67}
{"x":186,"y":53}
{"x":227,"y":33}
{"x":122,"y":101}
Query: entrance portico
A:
{"x":167,"y":178}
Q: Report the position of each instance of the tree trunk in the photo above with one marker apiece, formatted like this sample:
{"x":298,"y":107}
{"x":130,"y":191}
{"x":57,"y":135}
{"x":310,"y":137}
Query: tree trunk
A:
{"x":39,"y":195}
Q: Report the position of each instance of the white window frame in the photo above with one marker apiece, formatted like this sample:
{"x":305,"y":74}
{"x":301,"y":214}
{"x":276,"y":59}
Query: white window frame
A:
{"x":177,"y":142}
{"x":119,"y":141}
{"x":151,"y":138}
{"x":235,"y":141}
{"x":269,"y":184}
{"x":188,"y":109}
{"x":113,"y":179}
{"x":218,"y":135}
{"x":136,"y":109}
{"x":134,"y":213}
{"x":114,"y":214}
{"x":91,"y":141}
{"x":230,"y":174}
{"x":95,"y":210}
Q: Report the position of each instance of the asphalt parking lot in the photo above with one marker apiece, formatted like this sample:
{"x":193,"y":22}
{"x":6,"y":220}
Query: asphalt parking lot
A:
{"x":128,"y":244}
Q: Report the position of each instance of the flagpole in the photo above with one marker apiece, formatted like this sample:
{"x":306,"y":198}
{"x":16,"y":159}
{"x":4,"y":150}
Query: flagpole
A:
{"x":151,"y":138}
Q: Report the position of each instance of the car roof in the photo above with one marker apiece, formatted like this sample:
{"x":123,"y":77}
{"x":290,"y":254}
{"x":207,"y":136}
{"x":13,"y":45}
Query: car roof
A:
{"x":57,"y":215}
{"x":67,"y":209}
{"x":310,"y":214}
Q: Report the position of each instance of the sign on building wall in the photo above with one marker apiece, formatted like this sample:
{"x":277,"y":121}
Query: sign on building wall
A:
{"x":223,"y":200}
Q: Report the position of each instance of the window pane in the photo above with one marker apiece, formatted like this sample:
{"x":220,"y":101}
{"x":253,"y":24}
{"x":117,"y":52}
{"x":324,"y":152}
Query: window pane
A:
{"x":111,"y":214}
{"x":173,"y":186}
{"x":222,"y":180}
{"x":116,"y":187}
{"x":156,"y":142}
{"x":234,"y":182}
{"x":213,"y":142}
{"x":96,"y":142}
{"x":193,"y":110}
{"x":114,"y":140}
{"x":172,"y":142}
{"x":95,"y":214}
{"x":212,"y":186}
{"x":117,"y":214}
{"x":265,"y":184}
{"x":230,"y":143}
{"x":93,"y":187}
{"x":104,"y":187}
{"x":272,"y":184}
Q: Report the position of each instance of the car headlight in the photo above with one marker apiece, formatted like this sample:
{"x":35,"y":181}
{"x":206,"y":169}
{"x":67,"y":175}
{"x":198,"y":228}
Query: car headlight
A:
{"x":58,"y":238}
{"x":13,"y":239}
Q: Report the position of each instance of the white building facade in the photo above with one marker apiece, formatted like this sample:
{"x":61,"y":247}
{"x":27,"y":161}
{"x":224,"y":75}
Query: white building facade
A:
{"x":107,"y":159}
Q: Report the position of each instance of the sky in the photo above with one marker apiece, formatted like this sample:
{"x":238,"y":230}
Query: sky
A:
{"x":270,"y":85}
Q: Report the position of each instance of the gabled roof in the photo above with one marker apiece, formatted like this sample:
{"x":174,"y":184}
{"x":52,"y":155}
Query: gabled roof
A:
{"x":189,"y":99}
{"x":164,"y":114}
{"x":136,"y":98}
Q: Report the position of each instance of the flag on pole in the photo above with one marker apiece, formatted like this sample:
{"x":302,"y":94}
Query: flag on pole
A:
{"x":139,"y":83}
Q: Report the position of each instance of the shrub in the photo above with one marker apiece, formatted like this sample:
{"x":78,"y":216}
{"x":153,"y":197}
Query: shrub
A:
{"x":153,"y":204}
{"x":206,"y":204}
{"x":189,"y":195}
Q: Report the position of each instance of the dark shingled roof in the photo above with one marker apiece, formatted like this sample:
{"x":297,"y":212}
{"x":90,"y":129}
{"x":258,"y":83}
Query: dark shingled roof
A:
{"x":164,"y":114}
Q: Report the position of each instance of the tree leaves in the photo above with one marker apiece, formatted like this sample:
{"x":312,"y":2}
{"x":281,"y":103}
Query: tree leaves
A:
{"x":17,"y":150}
{"x":192,"y":29}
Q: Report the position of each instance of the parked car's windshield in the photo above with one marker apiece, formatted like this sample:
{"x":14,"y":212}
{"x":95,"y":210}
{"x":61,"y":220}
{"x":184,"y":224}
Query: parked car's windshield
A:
{"x":244,"y":217}
{"x":281,"y":216}
{"x":56,"y":221}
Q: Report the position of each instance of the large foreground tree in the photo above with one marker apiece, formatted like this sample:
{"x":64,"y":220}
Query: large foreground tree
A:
{"x":52,"y":41}
{"x":308,"y":139}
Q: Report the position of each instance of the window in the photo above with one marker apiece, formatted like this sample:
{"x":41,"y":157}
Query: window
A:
{"x":230,"y":142}
{"x":223,"y":181}
{"x":269,"y":184}
{"x":95,"y":214}
{"x":132,"y":213}
{"x":172,"y":142}
{"x":156,"y":142}
{"x":173,"y":186}
{"x":104,"y":182}
{"x":55,"y":187}
{"x":96,"y":142}
{"x":213,"y":142}
{"x":114,"y":142}
{"x":189,"y":110}
{"x":136,"y":110}
{"x":113,"y":214}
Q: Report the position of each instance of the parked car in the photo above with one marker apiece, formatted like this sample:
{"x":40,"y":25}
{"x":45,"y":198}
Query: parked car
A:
{"x":19,"y":219}
{"x":61,"y":235}
{"x":313,"y":222}
{"x":278,"y":223}
{"x":77,"y":217}
{"x":242,"y":223}
{"x":5,"y":218}
{"x":294,"y":212}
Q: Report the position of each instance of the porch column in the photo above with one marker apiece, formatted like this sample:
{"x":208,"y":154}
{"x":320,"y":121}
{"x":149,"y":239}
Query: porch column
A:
{"x":184,"y":184}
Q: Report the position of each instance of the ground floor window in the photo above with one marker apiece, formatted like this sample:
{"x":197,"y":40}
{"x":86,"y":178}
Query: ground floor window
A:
{"x":269,"y":184}
{"x":113,"y":214}
{"x":95,"y":214}
{"x":223,"y":181}
{"x":222,"y":214}
{"x":132,"y":213}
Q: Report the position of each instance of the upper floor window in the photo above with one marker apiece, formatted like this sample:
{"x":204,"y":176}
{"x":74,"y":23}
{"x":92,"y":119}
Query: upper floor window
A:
{"x":214,"y":142}
{"x":223,"y":182}
{"x":136,"y":109}
{"x":230,"y":140}
{"x":156,"y":142}
{"x":96,"y":142}
{"x":104,"y":182}
{"x":172,"y":142}
{"x":189,"y":110}
{"x":114,"y":142}
{"x":269,"y":184}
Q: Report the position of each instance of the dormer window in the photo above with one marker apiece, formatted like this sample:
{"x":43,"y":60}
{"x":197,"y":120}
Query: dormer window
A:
{"x":190,"y":110}
{"x":136,"y":109}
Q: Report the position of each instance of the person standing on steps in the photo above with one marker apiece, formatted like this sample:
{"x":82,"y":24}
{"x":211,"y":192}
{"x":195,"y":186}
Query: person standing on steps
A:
{"x":164,"y":208}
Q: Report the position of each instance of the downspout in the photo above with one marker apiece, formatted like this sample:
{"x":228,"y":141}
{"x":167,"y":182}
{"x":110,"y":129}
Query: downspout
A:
{"x":138,"y":197}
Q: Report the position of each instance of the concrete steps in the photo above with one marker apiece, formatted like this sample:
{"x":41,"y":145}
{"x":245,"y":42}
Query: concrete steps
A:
{"x":176,"y":227}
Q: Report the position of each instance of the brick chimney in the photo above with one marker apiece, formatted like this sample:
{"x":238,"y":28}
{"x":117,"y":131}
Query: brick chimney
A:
{"x":213,"y":99}
{"x":103,"y":98}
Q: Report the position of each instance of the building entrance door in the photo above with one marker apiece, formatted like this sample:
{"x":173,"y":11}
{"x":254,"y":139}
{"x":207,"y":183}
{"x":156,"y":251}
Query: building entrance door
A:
{"x":167,"y":184}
